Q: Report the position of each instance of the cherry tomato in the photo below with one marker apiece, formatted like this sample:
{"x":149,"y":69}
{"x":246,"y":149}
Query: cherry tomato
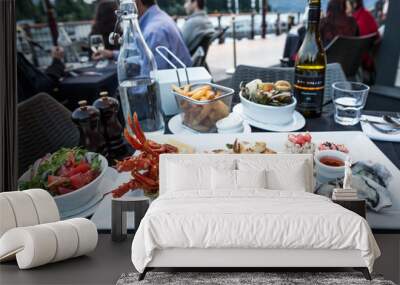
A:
{"x":81,"y":179}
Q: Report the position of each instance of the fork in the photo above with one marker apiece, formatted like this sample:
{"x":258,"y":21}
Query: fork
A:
{"x":398,"y":117}
{"x":393,"y":131}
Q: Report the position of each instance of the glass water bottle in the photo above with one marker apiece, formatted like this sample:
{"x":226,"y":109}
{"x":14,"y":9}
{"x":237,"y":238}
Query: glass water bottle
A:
{"x":136,"y":71}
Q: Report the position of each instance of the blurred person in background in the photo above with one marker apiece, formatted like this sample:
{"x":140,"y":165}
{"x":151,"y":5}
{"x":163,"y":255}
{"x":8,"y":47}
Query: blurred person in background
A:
{"x":31,"y":80}
{"x":104,"y":21}
{"x":337,"y":22}
{"x":349,"y":8}
{"x":380,"y":11}
{"x":367,"y":25}
{"x":158,"y":29}
{"x":365,"y":21}
{"x":197,"y":24}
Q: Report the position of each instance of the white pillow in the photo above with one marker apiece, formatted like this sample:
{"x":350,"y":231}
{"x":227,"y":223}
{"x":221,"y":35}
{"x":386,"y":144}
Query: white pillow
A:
{"x":283,"y":173}
{"x":183,"y":177}
{"x":251,"y":179}
{"x":225,"y":179}
{"x":295,"y":180}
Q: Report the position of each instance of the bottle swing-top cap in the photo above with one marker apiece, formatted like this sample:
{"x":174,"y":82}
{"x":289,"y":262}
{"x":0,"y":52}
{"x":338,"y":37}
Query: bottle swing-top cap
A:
{"x":104,"y":95}
{"x":82,"y":103}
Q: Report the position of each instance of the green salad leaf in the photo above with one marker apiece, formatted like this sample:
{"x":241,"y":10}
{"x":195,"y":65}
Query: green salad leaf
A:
{"x":96,"y":163}
{"x":50,"y":166}
{"x":35,"y":182}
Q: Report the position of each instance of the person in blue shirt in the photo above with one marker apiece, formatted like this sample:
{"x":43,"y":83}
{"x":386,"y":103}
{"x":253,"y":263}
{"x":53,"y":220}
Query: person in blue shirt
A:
{"x":158,"y":29}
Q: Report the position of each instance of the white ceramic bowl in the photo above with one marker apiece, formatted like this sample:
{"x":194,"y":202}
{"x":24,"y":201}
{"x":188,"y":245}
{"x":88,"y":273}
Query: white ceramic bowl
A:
{"x":231,"y":124}
{"x":276,"y":115}
{"x":325,"y":172}
{"x":78,"y":198}
{"x":239,"y":129}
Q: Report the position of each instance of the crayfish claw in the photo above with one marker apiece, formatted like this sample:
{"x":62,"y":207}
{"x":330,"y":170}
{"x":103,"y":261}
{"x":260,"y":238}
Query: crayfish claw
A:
{"x":145,"y":166}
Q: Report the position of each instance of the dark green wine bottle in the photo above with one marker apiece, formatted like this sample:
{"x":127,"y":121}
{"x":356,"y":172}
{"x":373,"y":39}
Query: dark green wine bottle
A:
{"x":310,"y":66}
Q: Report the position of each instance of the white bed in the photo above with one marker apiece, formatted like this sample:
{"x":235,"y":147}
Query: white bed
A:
{"x":209,"y":226}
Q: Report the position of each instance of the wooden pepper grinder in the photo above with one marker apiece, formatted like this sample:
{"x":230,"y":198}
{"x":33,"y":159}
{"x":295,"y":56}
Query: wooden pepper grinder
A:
{"x":112,"y":128}
{"x":87,"y":118}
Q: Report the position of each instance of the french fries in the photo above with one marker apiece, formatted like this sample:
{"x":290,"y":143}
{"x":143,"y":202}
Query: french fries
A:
{"x":202,"y":93}
{"x":201,"y":116}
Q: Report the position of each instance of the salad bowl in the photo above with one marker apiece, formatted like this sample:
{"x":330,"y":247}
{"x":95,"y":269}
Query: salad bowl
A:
{"x":78,"y":198}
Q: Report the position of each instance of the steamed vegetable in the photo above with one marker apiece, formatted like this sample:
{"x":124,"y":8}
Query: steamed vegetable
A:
{"x":277,"y":93}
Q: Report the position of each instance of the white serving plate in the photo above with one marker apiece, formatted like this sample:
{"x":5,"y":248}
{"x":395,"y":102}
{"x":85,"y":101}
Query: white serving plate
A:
{"x":359,"y":145}
{"x":297,"y":123}
{"x":176,"y":126}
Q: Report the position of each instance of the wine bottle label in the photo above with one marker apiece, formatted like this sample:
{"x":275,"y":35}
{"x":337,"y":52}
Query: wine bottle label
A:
{"x":309,"y":90}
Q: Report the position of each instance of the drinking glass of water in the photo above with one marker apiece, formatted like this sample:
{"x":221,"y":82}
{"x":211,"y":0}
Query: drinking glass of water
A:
{"x":349,"y":99}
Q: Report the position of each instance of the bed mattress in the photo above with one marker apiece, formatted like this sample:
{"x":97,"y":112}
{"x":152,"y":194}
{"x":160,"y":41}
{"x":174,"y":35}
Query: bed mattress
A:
{"x":250,"y":219}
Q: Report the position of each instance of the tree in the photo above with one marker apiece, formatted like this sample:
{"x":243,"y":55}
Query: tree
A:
{"x":26,"y":10}
{"x":172,"y":7}
{"x":74,"y":10}
{"x":67,"y":10}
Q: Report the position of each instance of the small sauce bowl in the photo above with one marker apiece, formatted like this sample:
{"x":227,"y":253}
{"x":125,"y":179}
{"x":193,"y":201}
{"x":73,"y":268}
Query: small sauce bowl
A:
{"x":230,"y":125}
{"x":330,"y":164}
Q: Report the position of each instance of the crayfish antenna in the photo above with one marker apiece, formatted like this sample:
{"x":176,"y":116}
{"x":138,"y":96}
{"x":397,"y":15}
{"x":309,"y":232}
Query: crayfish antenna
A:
{"x":130,"y":123}
{"x":132,"y":141}
{"x":138,"y":130}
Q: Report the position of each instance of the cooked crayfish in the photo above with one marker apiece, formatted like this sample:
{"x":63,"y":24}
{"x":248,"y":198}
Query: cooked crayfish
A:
{"x":143,"y":167}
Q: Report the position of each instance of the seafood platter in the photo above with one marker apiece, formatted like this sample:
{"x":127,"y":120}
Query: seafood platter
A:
{"x":374,"y":175}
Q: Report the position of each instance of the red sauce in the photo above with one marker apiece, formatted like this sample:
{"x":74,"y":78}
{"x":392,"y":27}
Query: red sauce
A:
{"x":331,"y":161}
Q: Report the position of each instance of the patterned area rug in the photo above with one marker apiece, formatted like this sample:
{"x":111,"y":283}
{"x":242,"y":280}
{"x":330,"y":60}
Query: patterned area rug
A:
{"x":244,"y":278}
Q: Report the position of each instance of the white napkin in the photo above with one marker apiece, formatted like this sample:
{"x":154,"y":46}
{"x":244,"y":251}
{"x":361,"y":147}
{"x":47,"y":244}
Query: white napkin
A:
{"x":374,"y":134}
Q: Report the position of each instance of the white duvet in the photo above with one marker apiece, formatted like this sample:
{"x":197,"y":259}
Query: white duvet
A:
{"x":250,"y":219}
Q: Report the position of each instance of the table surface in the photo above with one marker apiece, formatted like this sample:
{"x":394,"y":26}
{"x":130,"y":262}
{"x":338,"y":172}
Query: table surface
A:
{"x":375,"y":103}
{"x":110,"y":260}
{"x":103,"y":73}
{"x":88,"y":87}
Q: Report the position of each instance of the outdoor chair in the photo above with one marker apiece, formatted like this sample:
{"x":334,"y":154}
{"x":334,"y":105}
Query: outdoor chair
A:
{"x":348,"y":51}
{"x":44,"y":126}
{"x":198,"y":57}
{"x":246,"y":73}
{"x":221,"y":34}
{"x":200,"y":52}
{"x":291,"y":46}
